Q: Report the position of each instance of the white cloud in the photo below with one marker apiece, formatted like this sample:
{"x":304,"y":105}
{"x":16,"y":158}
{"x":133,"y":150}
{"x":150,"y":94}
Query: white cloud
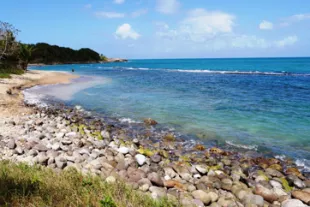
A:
{"x":246,"y":41}
{"x":119,"y":1}
{"x":109,"y":14}
{"x":265,"y":25}
{"x":139,"y":12}
{"x":290,"y":40}
{"x":125,"y":31}
{"x":295,"y":18}
{"x":167,"y":6}
{"x":200,"y":26}
{"x":88,"y":6}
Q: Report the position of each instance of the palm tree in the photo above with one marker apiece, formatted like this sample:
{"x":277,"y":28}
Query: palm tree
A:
{"x":25,"y":54}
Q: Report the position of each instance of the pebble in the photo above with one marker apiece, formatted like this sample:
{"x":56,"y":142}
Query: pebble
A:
{"x":123,"y":150}
{"x":141,"y":159}
{"x":217,"y":180}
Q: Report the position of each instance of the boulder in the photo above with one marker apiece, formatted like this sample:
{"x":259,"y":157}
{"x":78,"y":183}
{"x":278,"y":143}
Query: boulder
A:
{"x":11,"y":144}
{"x":158,"y":192}
{"x":40,"y":148}
{"x":267,"y":194}
{"x":150,"y":122}
{"x":293,"y":203}
{"x":202,"y":196}
{"x":302,"y":195}
{"x":156,"y":179}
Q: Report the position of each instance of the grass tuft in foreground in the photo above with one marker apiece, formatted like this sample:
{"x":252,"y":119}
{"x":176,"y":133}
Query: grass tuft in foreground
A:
{"x":23,"y":185}
{"x":6,"y":73}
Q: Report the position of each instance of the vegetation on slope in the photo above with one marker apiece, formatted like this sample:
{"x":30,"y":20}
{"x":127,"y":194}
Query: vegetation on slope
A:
{"x":23,"y":185}
{"x":53,"y":54}
{"x":15,"y":56}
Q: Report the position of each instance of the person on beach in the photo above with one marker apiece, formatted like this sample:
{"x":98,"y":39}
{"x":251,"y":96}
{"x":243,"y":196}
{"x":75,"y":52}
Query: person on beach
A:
{"x":72,"y":70}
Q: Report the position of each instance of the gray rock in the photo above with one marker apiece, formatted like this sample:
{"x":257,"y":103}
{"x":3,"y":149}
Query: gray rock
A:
{"x":40,"y":148}
{"x":170,"y":172}
{"x":254,"y":199}
{"x":213,"y":196}
{"x":42,"y":159}
{"x":202,"y":169}
{"x":51,"y":161}
{"x":11,"y":144}
{"x":60,"y":135}
{"x":158,"y":192}
{"x":105,"y":134}
{"x":66,"y":142}
{"x":144,"y":187}
{"x":84,"y":151}
{"x":293,"y":203}
{"x":110,"y":179}
{"x":60,"y":162}
{"x":56,"y":146}
{"x":32,"y":152}
{"x":156,"y":158}
{"x":275,"y":184}
{"x":202,"y":195}
{"x":19,"y":150}
{"x":156,"y":179}
{"x":134,"y":175}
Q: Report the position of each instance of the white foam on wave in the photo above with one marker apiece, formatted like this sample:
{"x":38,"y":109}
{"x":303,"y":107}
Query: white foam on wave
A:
{"x":127,"y":120}
{"x":249,"y":147}
{"x":233,"y":72}
{"x":65,"y":92}
{"x":303,"y":163}
{"x":280,"y":157}
{"x":34,"y":98}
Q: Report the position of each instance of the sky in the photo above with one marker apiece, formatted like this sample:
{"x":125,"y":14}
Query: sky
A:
{"x":139,"y":29}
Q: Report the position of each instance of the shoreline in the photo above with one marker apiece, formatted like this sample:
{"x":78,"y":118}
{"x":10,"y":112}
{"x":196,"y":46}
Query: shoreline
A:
{"x":13,"y":103}
{"x":64,"y":137}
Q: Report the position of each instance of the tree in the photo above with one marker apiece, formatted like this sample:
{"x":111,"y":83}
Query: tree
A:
{"x":8,"y":45}
{"x":25,"y":52}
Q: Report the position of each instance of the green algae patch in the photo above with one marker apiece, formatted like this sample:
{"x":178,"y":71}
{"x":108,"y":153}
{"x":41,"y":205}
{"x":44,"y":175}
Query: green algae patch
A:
{"x":261,"y":173}
{"x":97,"y":135}
{"x":81,"y":129}
{"x":145,"y":151}
{"x":286,"y":185}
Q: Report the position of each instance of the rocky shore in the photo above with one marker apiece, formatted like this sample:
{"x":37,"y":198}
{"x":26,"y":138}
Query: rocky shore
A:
{"x":158,"y":164}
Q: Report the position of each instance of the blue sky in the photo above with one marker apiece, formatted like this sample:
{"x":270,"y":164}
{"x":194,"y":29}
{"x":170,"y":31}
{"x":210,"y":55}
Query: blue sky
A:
{"x":166,"y":28}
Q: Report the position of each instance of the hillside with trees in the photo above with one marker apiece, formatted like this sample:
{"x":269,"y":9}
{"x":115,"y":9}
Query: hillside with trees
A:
{"x":53,"y":54}
{"x":15,"y":56}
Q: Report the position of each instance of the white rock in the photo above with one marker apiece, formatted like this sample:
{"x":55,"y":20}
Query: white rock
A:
{"x":60,"y":135}
{"x":167,"y":177}
{"x":123,"y":150}
{"x":71,"y":134}
{"x":141,"y":159}
{"x":293,"y":203}
{"x":56,"y":146}
{"x":110,"y":179}
{"x":202,"y":169}
{"x":105,"y":134}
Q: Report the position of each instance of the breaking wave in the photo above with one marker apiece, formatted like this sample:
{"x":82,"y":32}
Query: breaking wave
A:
{"x":232,"y":72}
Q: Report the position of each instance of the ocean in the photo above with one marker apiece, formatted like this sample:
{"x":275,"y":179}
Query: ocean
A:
{"x":247,"y":104}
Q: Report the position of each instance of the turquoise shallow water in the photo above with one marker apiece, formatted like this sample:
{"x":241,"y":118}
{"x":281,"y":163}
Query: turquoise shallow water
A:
{"x":256,"y":103}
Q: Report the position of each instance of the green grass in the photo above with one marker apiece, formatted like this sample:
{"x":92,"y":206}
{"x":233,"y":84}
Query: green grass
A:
{"x":6,"y":73}
{"x":23,"y":185}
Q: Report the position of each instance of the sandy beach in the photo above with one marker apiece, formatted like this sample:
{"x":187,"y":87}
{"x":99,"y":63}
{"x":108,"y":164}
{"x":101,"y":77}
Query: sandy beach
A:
{"x":12,"y":104}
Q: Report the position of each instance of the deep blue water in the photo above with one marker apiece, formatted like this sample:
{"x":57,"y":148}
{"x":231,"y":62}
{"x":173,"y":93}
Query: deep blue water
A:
{"x":262,"y":103}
